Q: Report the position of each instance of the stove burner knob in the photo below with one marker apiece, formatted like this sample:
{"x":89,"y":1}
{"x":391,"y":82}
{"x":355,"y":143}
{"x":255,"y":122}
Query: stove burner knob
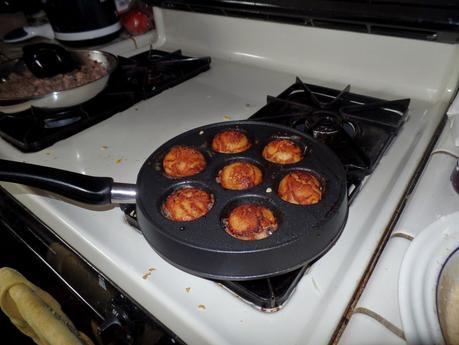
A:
{"x":117,"y":325}
{"x":109,"y":323}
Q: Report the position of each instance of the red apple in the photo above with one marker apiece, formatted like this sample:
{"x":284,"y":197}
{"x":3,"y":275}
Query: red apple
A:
{"x":136,"y":22}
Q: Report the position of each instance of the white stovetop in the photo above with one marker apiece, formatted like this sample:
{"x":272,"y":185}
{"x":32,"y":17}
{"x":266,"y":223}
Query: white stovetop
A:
{"x":241,"y":75}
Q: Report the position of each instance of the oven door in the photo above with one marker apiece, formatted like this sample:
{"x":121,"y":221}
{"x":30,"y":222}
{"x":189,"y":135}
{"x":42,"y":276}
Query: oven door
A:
{"x":95,"y":305}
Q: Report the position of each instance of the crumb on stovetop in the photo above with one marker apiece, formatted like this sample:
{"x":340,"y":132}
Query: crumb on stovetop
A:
{"x":148,"y":273}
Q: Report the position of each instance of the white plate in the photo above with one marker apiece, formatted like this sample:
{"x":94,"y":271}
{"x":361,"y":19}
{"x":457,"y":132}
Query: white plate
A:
{"x":418,"y":279}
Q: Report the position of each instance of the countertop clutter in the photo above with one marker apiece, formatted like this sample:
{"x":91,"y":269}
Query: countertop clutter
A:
{"x":373,"y":95}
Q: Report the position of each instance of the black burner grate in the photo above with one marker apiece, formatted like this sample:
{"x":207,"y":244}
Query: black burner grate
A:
{"x":357,"y":128}
{"x":136,"y":78}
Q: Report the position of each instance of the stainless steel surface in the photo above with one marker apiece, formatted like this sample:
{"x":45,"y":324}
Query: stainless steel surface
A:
{"x":65,"y":98}
{"x":123,"y":193}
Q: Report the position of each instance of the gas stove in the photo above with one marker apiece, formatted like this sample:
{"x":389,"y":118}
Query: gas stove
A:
{"x":246,"y":67}
{"x":357,"y":128}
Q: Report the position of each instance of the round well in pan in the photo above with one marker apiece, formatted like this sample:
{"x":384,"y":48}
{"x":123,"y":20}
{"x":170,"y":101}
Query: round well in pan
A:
{"x":301,"y":187}
{"x":187,"y":204}
{"x":183,"y":161}
{"x":231,"y":141}
{"x":262,"y":218}
{"x":240,"y":174}
{"x":283,"y":151}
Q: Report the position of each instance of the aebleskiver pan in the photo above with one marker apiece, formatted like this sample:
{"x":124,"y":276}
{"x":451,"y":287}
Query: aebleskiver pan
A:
{"x":202,"y":247}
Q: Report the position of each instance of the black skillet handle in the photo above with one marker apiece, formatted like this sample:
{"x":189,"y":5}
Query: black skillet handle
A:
{"x":83,"y":188}
{"x":45,"y":60}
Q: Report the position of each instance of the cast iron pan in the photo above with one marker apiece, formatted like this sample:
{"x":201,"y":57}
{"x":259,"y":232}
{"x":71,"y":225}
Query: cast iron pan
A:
{"x":202,"y":247}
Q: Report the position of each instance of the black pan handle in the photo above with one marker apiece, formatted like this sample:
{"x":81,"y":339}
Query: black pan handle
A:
{"x":83,"y":188}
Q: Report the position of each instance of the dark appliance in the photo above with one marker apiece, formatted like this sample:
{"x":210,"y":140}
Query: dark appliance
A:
{"x":137,"y":78}
{"x":28,"y":7}
{"x":83,"y":22}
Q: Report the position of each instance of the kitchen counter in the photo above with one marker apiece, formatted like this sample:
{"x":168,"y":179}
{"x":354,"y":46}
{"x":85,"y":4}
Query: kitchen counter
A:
{"x":376,"y":317}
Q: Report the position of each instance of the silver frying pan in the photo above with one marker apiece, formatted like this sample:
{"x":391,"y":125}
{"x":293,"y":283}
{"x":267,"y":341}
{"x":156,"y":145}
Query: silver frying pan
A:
{"x":59,"y":99}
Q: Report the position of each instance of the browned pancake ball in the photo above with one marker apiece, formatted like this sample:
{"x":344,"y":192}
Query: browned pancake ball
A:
{"x":230,"y":141}
{"x":282,"y":151}
{"x":301,"y":188}
{"x":239,"y":176}
{"x":182,"y":161}
{"x":187,"y":204}
{"x":251,"y":222}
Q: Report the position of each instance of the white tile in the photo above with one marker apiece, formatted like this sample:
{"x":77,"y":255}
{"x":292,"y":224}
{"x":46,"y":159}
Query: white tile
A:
{"x":381,"y":293}
{"x":433,"y":197}
{"x":364,"y":330}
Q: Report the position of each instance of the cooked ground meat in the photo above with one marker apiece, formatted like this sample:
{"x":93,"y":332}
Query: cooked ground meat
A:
{"x":27,"y":85}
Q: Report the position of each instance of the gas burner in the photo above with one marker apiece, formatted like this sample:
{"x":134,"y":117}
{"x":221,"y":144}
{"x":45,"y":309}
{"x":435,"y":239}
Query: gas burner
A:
{"x":151,"y":70}
{"x":325,"y":131}
{"x":327,"y":126}
{"x":324,"y":125}
{"x":357,"y":128}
